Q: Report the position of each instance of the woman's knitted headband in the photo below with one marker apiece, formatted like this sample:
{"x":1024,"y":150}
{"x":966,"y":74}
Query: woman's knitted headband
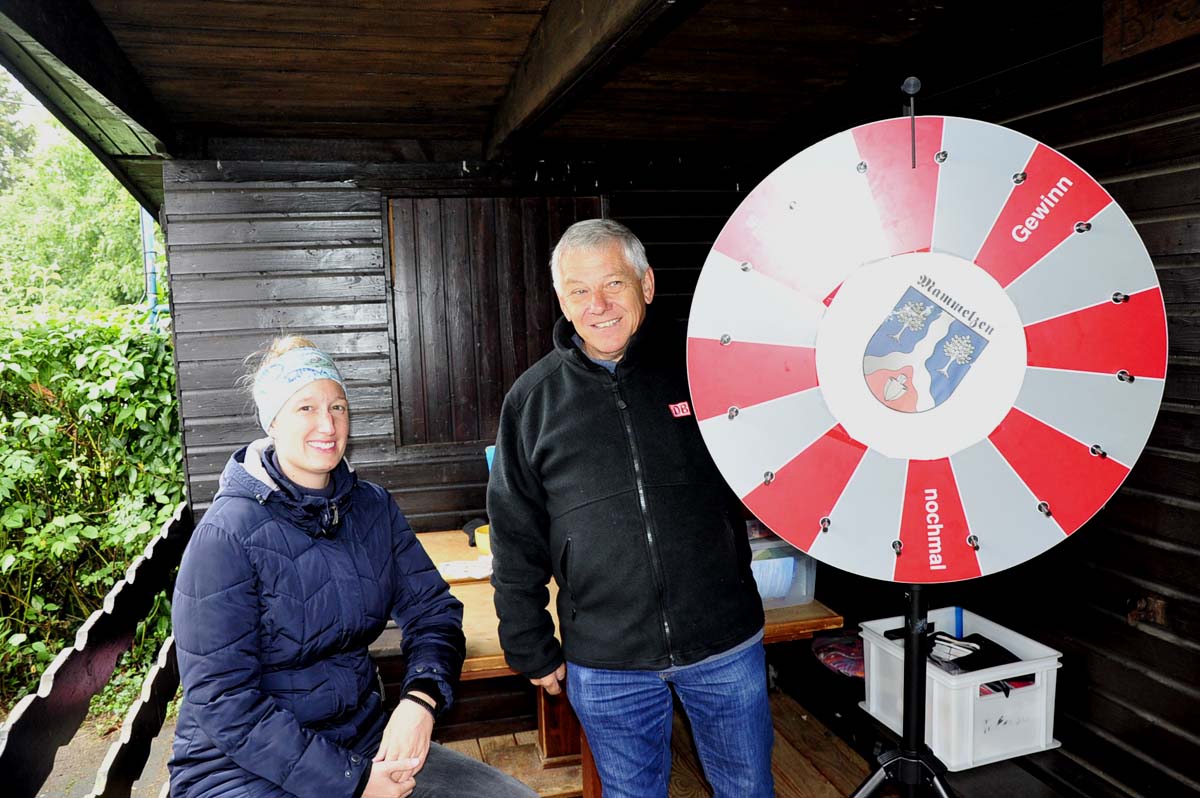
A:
{"x":277,"y":381}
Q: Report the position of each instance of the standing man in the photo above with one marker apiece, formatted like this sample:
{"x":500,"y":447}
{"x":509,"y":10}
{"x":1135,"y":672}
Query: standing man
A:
{"x":601,"y":479}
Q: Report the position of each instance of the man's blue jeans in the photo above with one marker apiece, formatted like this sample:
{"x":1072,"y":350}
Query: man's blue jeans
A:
{"x":627,"y":718}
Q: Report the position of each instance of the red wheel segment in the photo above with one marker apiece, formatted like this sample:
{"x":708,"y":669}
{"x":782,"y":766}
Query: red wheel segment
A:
{"x":806,"y":489}
{"x":1059,"y":470}
{"x":737,"y":374}
{"x":905,"y":195}
{"x":933,"y":527}
{"x":1054,"y":195}
{"x":1107,"y":338}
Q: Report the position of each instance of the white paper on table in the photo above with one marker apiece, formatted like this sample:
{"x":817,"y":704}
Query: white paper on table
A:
{"x":479,"y":568}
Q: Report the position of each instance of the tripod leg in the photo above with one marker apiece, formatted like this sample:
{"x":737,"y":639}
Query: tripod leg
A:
{"x":942,"y":788}
{"x":873,"y":783}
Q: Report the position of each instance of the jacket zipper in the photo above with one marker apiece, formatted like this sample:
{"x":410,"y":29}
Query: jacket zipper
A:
{"x":655,"y":562}
{"x":564,"y":565}
{"x":334,"y":554}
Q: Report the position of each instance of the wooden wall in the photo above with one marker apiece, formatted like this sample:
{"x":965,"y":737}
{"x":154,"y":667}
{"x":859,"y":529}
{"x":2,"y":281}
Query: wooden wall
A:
{"x":678,"y":228}
{"x":1121,"y":597}
{"x":256,"y":249}
{"x":433,"y":294}
{"x":474,"y":305}
{"x":1126,"y":597}
{"x":253,"y":255}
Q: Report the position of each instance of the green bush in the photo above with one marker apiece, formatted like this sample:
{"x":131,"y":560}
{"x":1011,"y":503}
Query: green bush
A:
{"x":90,"y":468}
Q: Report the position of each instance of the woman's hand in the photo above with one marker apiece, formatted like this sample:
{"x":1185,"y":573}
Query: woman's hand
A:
{"x":408,"y":733}
{"x":390,"y":780}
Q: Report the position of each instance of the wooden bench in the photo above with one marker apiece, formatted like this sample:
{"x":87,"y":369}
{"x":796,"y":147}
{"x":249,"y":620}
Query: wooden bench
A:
{"x":560,"y":739}
{"x":558,"y":730}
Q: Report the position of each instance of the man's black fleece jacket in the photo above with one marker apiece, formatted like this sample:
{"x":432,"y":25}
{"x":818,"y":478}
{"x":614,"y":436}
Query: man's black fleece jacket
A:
{"x":597,"y":482}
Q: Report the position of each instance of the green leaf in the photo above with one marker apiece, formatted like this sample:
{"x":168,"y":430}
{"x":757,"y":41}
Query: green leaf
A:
{"x":17,"y":639}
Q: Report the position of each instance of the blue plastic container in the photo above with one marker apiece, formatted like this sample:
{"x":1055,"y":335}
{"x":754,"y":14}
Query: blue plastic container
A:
{"x":490,"y":454}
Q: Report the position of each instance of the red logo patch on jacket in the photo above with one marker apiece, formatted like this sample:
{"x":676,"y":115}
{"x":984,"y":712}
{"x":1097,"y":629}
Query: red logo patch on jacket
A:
{"x":680,"y":409}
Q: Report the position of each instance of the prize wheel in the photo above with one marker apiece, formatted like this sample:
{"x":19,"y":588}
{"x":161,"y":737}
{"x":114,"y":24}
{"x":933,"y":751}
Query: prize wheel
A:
{"x":926,"y":373}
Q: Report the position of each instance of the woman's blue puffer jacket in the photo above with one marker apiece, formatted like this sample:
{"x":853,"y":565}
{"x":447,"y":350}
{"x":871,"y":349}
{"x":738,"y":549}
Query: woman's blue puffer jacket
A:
{"x":277,"y":598}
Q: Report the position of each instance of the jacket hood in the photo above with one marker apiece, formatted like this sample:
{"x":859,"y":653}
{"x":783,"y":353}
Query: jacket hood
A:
{"x":246,"y":476}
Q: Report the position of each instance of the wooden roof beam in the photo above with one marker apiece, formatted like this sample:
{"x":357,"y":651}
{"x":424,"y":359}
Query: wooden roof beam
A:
{"x":71,"y":44}
{"x":577,"y":42}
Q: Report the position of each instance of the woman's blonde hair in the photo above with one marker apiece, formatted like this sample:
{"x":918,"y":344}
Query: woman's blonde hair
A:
{"x":260,"y":358}
{"x":279,"y":346}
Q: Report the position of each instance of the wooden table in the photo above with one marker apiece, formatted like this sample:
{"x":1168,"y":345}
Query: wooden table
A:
{"x":560,"y":739}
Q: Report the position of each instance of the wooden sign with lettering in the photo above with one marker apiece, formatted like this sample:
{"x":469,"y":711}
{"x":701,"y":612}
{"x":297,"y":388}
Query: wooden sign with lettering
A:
{"x":1135,"y":26}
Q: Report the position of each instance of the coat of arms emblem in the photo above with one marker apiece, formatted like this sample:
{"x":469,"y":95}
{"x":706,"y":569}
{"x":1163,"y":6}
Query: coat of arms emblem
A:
{"x":919,"y":354}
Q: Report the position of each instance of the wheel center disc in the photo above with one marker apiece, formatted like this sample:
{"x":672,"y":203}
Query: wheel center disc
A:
{"x":920,"y":355}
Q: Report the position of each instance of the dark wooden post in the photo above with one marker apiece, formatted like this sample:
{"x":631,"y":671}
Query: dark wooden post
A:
{"x":591,"y":779}
{"x":558,"y":730}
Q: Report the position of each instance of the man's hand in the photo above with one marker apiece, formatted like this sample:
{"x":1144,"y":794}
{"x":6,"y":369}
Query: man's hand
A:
{"x":390,"y":780}
{"x":551,"y":680}
{"x":406,"y":737}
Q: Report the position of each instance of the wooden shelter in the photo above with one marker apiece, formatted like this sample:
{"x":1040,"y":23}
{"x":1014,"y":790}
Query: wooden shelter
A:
{"x":387,"y":177}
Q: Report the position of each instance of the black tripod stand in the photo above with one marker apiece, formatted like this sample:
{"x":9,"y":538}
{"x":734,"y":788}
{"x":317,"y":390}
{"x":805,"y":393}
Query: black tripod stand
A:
{"x":913,"y":766}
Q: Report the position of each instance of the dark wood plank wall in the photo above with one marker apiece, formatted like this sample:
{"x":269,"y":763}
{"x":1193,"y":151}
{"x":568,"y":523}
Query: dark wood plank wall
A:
{"x":474,"y":307}
{"x":430,"y":347}
{"x":1129,"y":623}
{"x":678,"y":228}
{"x":249,"y":260}
{"x":1121,"y":598}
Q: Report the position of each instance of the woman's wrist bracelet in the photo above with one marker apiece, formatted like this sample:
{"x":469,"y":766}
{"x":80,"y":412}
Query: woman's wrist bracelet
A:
{"x":419,"y":700}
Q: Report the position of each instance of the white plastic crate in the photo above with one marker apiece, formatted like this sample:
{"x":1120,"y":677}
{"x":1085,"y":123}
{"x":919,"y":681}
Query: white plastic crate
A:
{"x":963,"y":727}
{"x":785,"y":575}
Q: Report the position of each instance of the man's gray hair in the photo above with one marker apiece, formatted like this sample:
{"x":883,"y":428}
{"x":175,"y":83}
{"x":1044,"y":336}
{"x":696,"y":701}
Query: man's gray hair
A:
{"x":594,"y":234}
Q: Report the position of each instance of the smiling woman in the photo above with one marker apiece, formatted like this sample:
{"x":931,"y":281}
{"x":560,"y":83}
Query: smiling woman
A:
{"x":291,"y":573}
{"x":311,"y":426}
